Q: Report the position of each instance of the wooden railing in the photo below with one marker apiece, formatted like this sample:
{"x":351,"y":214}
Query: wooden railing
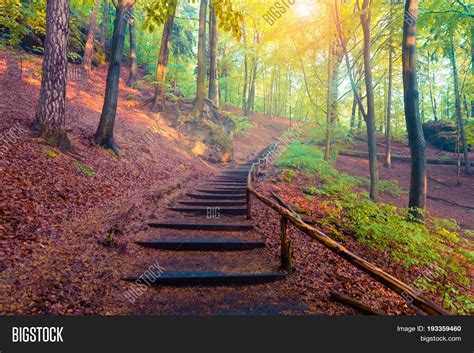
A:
{"x":289,"y":217}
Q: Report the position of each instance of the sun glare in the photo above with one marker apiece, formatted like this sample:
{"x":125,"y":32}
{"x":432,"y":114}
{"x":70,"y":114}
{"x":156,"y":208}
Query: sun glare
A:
{"x":305,"y":8}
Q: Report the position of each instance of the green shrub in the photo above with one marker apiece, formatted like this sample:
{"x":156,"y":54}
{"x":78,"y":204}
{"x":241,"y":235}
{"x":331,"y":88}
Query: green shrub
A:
{"x":242,"y":124}
{"x":385,"y":228}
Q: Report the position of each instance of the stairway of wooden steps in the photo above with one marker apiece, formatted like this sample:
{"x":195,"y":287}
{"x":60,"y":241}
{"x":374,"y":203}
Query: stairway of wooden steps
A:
{"x":212,"y":253}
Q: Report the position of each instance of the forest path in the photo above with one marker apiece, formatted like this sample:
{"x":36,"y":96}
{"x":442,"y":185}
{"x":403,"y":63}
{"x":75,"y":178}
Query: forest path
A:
{"x":203,"y":257}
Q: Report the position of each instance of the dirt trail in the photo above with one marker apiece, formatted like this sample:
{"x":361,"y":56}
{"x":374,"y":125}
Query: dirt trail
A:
{"x":56,"y":210}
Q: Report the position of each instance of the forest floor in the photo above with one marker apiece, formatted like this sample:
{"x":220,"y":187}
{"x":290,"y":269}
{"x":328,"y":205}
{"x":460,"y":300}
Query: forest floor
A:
{"x":442,"y":181}
{"x":59,"y":210}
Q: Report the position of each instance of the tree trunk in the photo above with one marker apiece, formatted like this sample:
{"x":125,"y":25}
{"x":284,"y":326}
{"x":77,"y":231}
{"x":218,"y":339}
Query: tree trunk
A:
{"x":417,"y":197}
{"x":103,"y":26}
{"x":162,"y":66}
{"x":251,"y":98}
{"x":246,"y":70}
{"x":432,"y":97}
{"x":388,"y":128}
{"x":353,"y":114}
{"x":50,"y":118}
{"x":212,"y":94}
{"x":89,"y":47}
{"x":104,"y":135}
{"x":458,"y":104}
{"x":201,"y":59}
{"x":328,"y":103}
{"x":132,"y":77}
{"x":370,"y":116}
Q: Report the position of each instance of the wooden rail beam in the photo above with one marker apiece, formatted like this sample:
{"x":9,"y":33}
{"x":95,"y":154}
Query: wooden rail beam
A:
{"x":373,"y":271}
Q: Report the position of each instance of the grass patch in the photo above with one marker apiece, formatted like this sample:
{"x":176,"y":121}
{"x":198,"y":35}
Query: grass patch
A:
{"x":385,"y":227}
{"x":51,"y":154}
{"x":242,"y":124}
{"x":90,"y":172}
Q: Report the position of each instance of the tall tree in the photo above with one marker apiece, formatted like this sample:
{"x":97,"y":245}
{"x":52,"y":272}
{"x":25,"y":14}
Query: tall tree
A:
{"x":458,"y":105}
{"x":328,"y":102}
{"x":388,"y":127}
{"x":365,"y":18}
{"x":50,"y":117}
{"x":103,"y":26}
{"x":213,"y":75}
{"x":162,"y":66}
{"x":104,"y":135}
{"x":89,"y":47}
{"x":199,"y":104}
{"x":132,"y":77}
{"x":417,"y":197}
{"x":369,"y":114}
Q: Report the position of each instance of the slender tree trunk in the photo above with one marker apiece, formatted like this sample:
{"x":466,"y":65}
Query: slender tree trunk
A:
{"x":353,"y":114}
{"x":201,"y":59}
{"x":458,"y":104}
{"x":246,"y":69}
{"x":417,"y":197}
{"x":432,"y":97}
{"x":329,"y":103}
{"x":103,"y":26}
{"x":212,"y":94}
{"x":50,"y":118}
{"x":251,"y":98}
{"x":104,"y":135}
{"x":388,"y":128}
{"x":162,"y":65}
{"x":132,"y":77}
{"x":89,"y":47}
{"x":370,"y":116}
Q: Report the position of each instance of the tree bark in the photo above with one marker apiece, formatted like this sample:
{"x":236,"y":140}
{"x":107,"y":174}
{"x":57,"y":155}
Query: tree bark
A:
{"x":213,"y":78}
{"x":246,"y":69}
{"x":132,"y":77}
{"x":104,"y":135}
{"x":430,"y":85}
{"x":328,"y":103}
{"x":353,"y":114}
{"x":201,"y":59}
{"x":103,"y":26}
{"x":89,"y":47}
{"x":370,"y":116}
{"x":50,"y":117}
{"x":162,"y":66}
{"x":458,"y":104}
{"x":388,"y":128}
{"x":417,"y":197}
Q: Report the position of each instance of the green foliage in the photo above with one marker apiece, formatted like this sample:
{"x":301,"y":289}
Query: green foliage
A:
{"x":51,"y":154}
{"x":383,"y":227}
{"x":85,"y":170}
{"x":392,"y":187}
{"x":241,"y":123}
{"x":288,"y":175}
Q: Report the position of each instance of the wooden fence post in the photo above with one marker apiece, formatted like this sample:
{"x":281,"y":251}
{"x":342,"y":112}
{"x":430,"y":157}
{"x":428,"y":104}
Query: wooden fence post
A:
{"x":286,"y":251}
{"x":249,"y":213}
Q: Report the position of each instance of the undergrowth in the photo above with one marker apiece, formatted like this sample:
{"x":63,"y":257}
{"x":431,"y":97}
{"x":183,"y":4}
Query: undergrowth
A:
{"x":385,"y":228}
{"x":242,"y":123}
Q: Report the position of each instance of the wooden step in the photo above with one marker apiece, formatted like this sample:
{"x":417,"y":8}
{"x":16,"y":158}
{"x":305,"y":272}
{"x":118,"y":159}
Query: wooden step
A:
{"x":218,"y":196}
{"x":210,"y":278}
{"x":229,"y":227}
{"x":232,"y":177}
{"x":225,"y":180}
{"x":213,"y":203}
{"x":202,"y":244}
{"x":236,"y":171}
{"x":223,"y":191}
{"x":215,"y":210}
